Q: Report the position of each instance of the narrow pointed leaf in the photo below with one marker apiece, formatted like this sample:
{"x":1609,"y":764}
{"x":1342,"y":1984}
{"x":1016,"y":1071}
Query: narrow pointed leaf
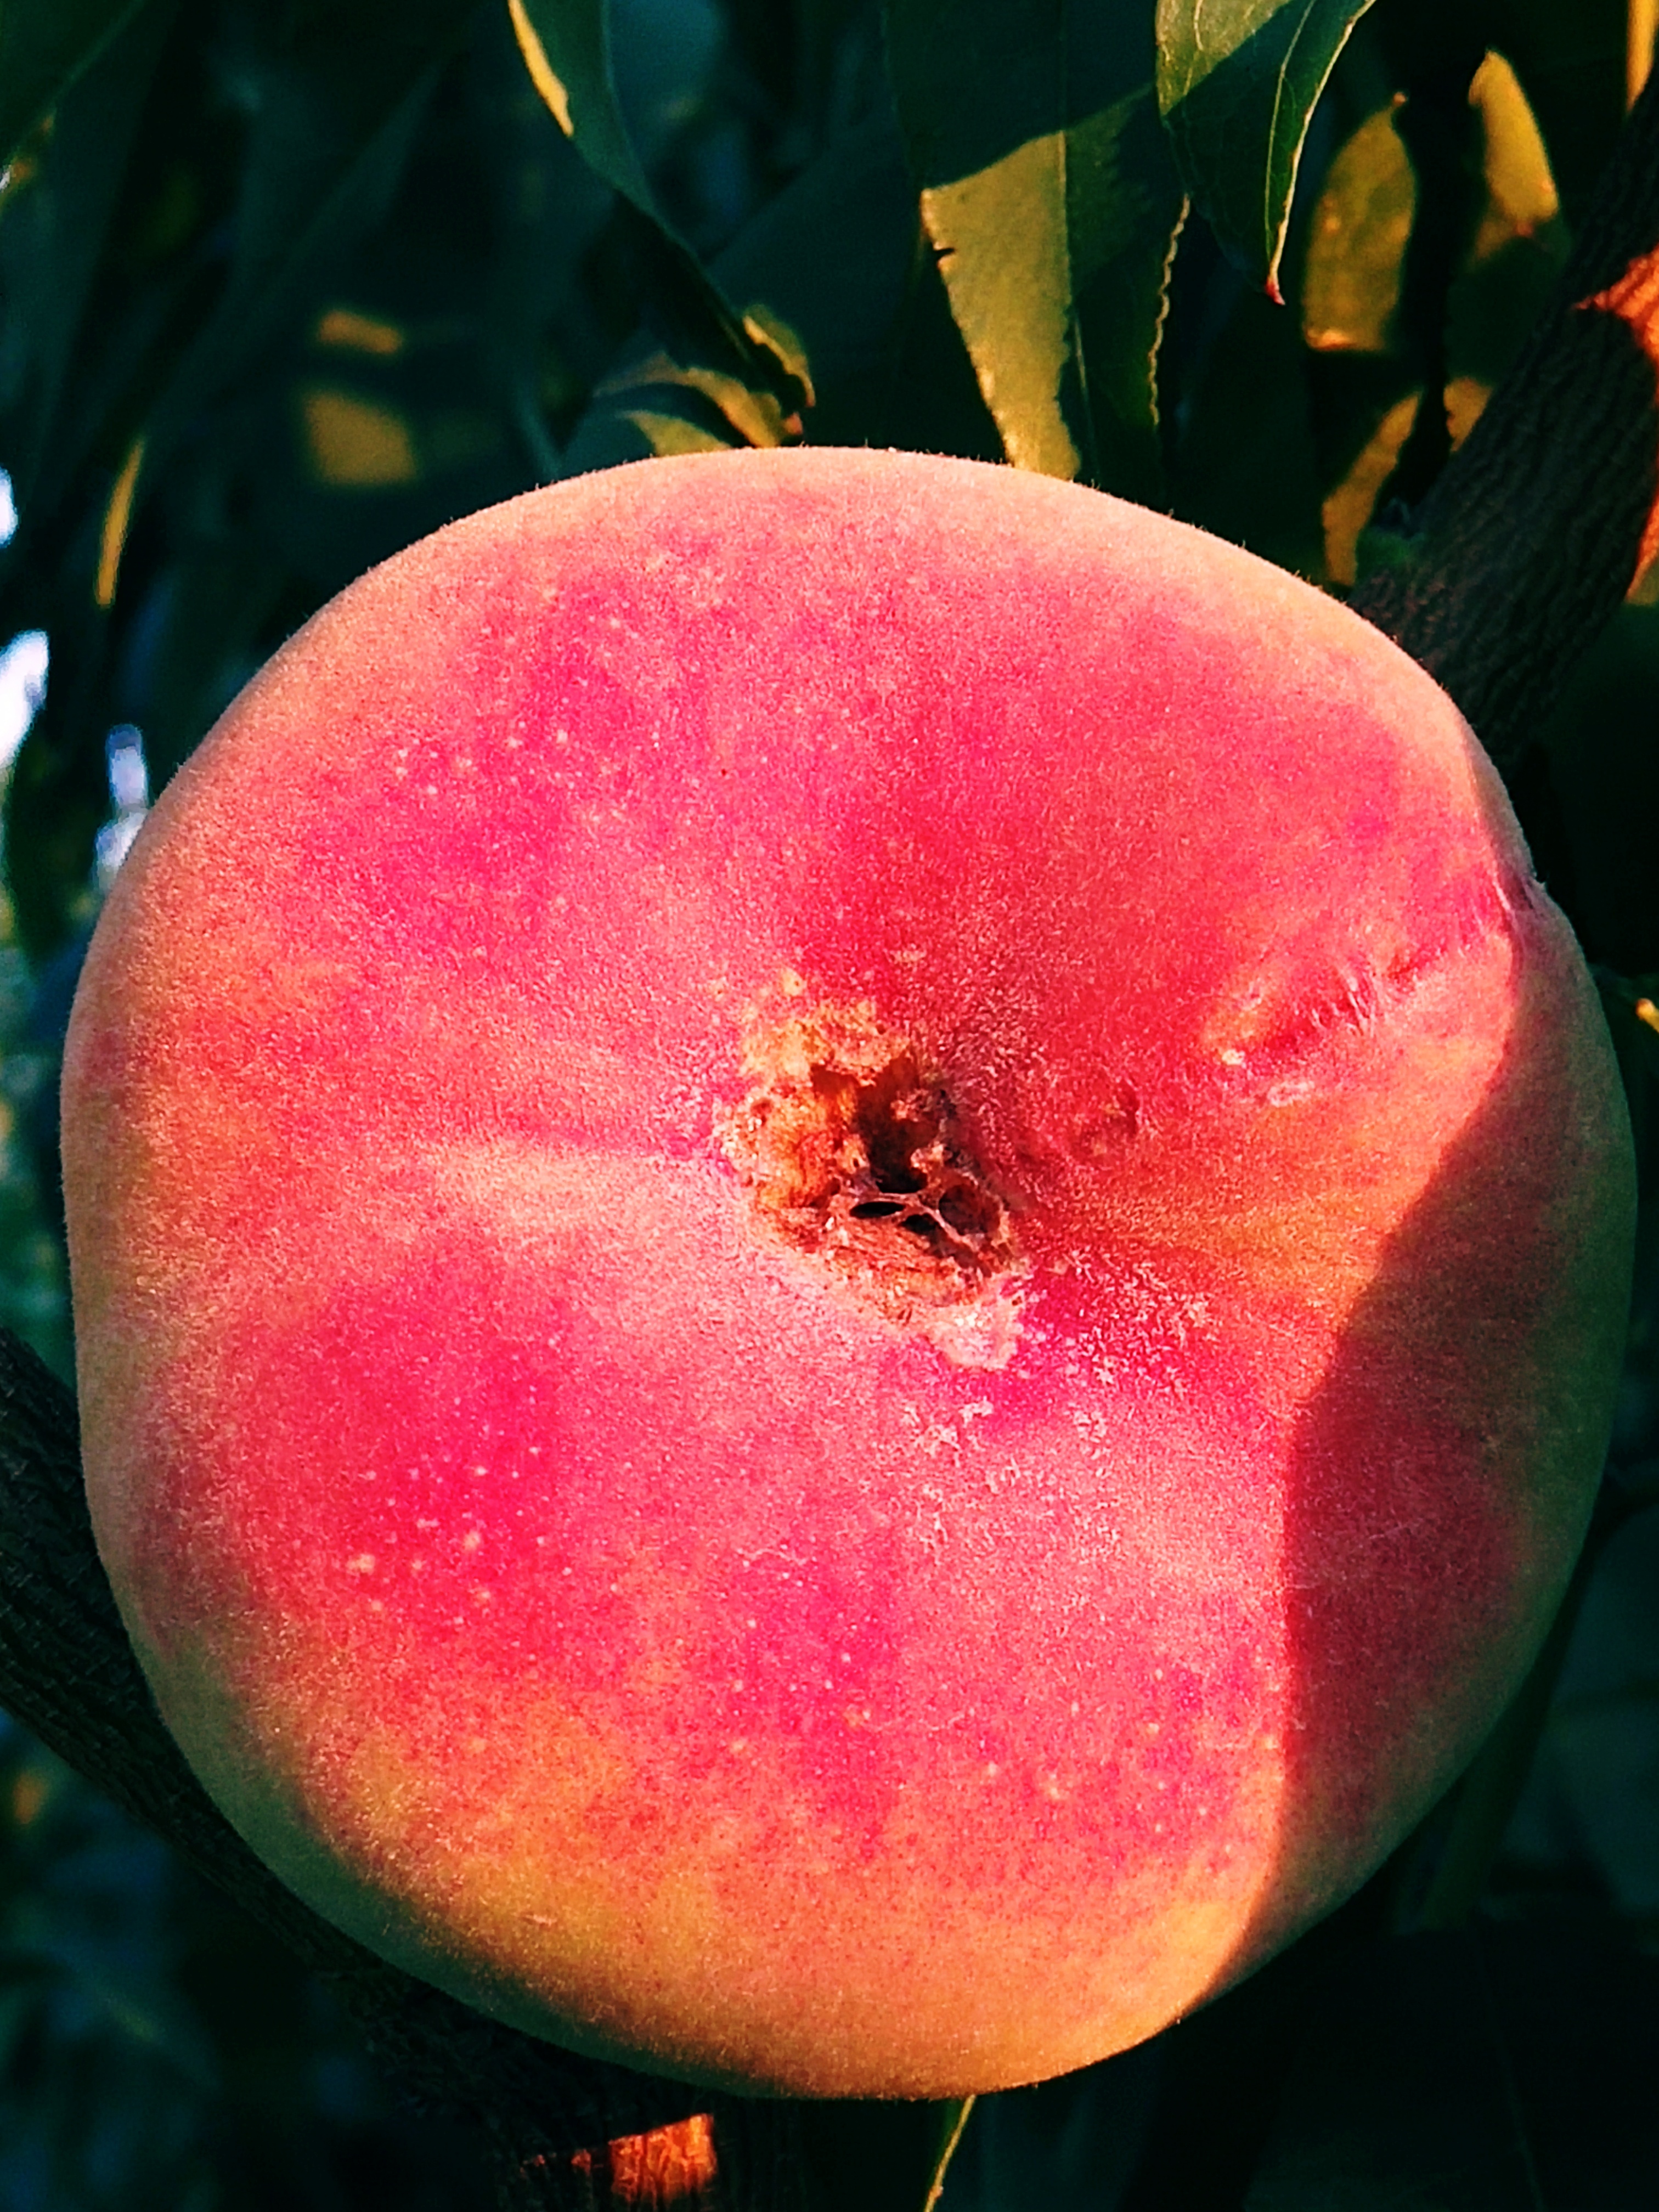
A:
{"x":336,"y":107}
{"x":1238,"y":82}
{"x":566,"y":46}
{"x":835,"y":279}
{"x":339,"y":104}
{"x":45,"y":45}
{"x":53,"y":240}
{"x":1051,"y":203}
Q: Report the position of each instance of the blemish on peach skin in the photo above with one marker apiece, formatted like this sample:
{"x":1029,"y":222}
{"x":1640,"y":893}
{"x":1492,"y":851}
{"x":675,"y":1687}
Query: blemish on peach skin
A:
{"x":919,"y":1298}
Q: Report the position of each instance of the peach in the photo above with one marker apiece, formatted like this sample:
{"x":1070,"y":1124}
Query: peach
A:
{"x":848,"y":1249}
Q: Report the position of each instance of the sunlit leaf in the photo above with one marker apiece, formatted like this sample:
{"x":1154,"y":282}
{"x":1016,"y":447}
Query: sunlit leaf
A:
{"x":1050,"y":199}
{"x":1237,"y":81}
{"x":755,"y":417}
{"x":1519,"y":184}
{"x":566,"y":45}
{"x":1362,"y":223}
{"x":45,"y":45}
{"x":346,"y":329}
{"x":1351,"y":289}
{"x":1349,"y":506}
{"x":1521,"y":241}
{"x":356,"y":442}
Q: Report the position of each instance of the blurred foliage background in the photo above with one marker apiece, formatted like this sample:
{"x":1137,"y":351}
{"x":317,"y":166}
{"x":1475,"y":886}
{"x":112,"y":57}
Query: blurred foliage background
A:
{"x":287,"y":283}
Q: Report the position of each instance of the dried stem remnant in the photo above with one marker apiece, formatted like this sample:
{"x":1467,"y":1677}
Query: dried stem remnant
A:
{"x":852,"y":1150}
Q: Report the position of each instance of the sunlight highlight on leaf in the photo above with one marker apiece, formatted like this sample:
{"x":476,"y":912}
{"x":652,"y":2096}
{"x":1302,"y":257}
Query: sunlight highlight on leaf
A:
{"x":1353,"y":275}
{"x":356,"y":444}
{"x":1642,"y":21}
{"x":117,"y":517}
{"x":1356,"y":247}
{"x":344,"y":330}
{"x":1521,"y":194}
{"x":672,"y":433}
{"x":1013,"y":305}
{"x":1347,"y":509}
{"x":755,"y":417}
{"x":1048,"y":194}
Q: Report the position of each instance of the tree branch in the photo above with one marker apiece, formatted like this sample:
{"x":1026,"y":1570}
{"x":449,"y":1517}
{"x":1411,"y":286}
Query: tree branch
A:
{"x":1535,"y":530}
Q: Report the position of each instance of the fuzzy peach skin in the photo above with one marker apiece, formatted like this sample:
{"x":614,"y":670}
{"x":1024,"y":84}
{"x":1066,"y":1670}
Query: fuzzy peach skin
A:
{"x":848,"y":1245}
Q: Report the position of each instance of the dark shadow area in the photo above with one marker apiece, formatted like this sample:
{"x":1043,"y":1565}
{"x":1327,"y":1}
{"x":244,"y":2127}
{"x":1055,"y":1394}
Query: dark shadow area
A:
{"x":1443,"y":1471}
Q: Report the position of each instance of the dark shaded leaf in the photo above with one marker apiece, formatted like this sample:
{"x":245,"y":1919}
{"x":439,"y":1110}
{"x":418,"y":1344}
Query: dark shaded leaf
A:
{"x":1068,"y":2145}
{"x":196,"y":647}
{"x":1571,"y":63}
{"x":336,"y":92}
{"x":566,"y":46}
{"x":44,"y":46}
{"x":880,"y":2157}
{"x":1237,"y":82}
{"x":338,"y":99}
{"x":1246,"y":465}
{"x":1502,"y":2069}
{"x":1049,"y":197}
{"x":1598,"y":754}
{"x":339,"y":103}
{"x":838,"y":262}
{"x":52,"y":237}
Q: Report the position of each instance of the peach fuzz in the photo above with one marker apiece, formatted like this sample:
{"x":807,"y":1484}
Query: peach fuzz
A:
{"x":849,"y":1251}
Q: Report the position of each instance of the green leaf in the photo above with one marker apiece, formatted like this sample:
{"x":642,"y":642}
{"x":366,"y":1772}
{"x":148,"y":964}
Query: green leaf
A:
{"x":1050,"y":199}
{"x":1571,"y":63}
{"x":1356,"y":262}
{"x":1237,"y":81}
{"x":1246,"y":466}
{"x":206,"y":627}
{"x":52,"y":240}
{"x":837,"y":271}
{"x":339,"y":100}
{"x":566,"y":46}
{"x":45,"y":45}
{"x":340,"y":97}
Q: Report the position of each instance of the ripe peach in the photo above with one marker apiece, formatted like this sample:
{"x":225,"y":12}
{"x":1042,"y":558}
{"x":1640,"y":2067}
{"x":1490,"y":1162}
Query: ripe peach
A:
{"x":848,"y":1246}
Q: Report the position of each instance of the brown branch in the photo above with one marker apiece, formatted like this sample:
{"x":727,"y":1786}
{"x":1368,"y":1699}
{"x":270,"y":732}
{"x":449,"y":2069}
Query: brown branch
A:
{"x":1533,"y":533}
